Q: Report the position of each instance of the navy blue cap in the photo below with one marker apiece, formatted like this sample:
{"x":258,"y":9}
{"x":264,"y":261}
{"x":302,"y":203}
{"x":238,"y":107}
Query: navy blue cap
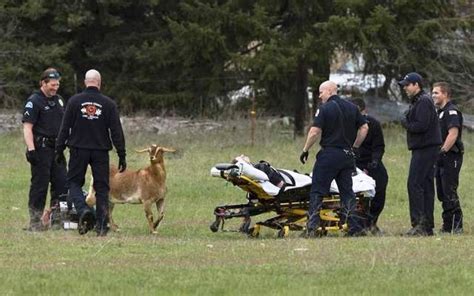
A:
{"x":412,"y":77}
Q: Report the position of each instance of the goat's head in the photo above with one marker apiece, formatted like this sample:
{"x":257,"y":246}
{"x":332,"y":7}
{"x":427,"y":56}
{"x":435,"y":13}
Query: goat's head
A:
{"x":156,"y":152}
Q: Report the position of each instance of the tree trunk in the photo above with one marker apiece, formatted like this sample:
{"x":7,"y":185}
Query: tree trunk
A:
{"x":321,"y":71}
{"x":301,"y":98}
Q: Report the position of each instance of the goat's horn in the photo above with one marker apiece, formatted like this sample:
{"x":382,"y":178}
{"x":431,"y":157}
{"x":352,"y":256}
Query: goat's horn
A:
{"x":168,"y":149}
{"x":143,"y":150}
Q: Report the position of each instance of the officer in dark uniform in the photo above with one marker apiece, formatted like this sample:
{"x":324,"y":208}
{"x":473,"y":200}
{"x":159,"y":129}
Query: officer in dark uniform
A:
{"x":450,"y":158}
{"x":91,"y":123}
{"x":370,"y":160}
{"x":341,"y":128}
{"x":423,"y":138}
{"x":42,"y":117}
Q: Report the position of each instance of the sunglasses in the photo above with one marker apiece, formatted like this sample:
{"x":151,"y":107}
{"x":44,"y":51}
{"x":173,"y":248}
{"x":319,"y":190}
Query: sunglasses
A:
{"x":51,"y":75}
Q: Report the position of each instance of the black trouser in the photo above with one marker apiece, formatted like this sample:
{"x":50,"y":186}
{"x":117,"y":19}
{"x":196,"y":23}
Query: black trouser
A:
{"x":379,"y":174}
{"x":44,"y":172}
{"x":447,"y":180}
{"x":421,"y":187}
{"x":333,"y":164}
{"x":99,"y":161}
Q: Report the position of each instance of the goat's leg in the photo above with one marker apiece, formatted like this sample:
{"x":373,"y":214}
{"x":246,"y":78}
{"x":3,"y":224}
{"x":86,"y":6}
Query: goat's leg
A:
{"x":149,"y":215}
{"x":90,"y":199}
{"x":113,"y":226}
{"x":160,"y":207}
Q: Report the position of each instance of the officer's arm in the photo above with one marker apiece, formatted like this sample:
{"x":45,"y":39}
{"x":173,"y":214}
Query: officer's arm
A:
{"x":116,"y":132}
{"x":28,"y":135}
{"x":361,"y":134}
{"x":450,"y":139}
{"x":313,"y":135}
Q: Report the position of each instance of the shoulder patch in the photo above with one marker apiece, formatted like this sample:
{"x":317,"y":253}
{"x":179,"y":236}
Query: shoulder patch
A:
{"x":29,"y":105}
{"x":453,"y":112}
{"x":317,"y":113}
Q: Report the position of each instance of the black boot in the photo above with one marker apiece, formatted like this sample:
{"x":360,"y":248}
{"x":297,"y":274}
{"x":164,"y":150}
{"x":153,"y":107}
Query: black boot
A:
{"x":86,"y":221}
{"x":35,"y":221}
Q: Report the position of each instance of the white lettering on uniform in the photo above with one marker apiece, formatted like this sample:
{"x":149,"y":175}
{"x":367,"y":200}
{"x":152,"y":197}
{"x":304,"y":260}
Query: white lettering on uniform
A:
{"x":453,"y":112}
{"x":317,"y":113}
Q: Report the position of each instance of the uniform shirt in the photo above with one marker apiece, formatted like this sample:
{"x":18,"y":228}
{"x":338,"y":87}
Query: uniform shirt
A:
{"x":449,"y":116}
{"x":44,"y":113}
{"x":88,"y":119}
{"x":422,"y":123}
{"x":373,"y":146}
{"x":339,"y":125}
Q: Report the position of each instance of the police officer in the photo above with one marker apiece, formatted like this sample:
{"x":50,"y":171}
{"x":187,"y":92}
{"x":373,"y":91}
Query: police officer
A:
{"x":341,"y":128}
{"x":423,"y":139}
{"x":42,"y":117}
{"x":91,"y":123}
{"x":449,"y":159}
{"x":370,"y":160}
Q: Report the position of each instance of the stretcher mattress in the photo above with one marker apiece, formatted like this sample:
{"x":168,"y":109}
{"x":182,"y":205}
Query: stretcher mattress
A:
{"x":361,"y":182}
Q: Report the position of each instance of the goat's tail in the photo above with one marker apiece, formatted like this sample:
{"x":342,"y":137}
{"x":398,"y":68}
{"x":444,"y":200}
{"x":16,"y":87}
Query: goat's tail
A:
{"x":90,"y":199}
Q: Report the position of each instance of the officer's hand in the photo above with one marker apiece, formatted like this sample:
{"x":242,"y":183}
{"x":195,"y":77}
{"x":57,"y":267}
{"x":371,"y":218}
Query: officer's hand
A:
{"x":59,"y":158}
{"x":304,"y":157}
{"x":122,"y":164}
{"x":356,"y":152}
{"x":373,"y":164}
{"x":442,"y":151}
{"x":32,"y":157}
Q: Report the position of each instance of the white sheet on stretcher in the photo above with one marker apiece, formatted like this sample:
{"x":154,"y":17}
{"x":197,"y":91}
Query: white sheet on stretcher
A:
{"x":361,"y":182}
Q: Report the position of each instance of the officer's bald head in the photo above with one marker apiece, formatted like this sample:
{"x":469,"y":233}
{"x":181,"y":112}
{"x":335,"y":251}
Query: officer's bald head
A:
{"x":92,"y":78}
{"x":327,"y":89}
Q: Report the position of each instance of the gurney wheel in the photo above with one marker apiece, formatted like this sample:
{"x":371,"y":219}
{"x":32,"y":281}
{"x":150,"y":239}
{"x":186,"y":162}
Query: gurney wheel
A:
{"x":254,"y":231}
{"x":215,"y":226}
{"x":245,"y":226}
{"x":283,"y":232}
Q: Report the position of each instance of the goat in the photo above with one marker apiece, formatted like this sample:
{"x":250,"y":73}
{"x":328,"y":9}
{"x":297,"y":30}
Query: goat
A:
{"x":146,"y":186}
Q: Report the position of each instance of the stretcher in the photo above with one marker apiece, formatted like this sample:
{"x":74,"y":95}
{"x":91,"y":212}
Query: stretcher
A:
{"x":288,"y":203}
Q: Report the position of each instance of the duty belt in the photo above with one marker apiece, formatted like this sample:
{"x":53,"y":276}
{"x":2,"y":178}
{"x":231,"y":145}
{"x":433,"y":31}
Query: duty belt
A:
{"x":45,"y":141}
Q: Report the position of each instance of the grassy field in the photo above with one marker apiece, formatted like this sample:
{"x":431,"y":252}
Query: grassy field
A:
{"x":187,"y":258}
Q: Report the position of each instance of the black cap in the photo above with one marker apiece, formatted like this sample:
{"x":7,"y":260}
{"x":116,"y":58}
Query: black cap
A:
{"x":50,"y":74}
{"x":412,"y":77}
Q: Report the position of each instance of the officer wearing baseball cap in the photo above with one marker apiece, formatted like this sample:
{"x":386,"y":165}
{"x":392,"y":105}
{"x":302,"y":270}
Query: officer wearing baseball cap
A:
{"x":423,"y":139}
{"x":42,"y":116}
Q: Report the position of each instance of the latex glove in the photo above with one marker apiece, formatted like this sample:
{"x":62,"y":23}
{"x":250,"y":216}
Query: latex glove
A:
{"x":122,"y":165}
{"x":356,"y":152}
{"x":304,"y":157}
{"x":32,"y":157}
{"x":59,"y":158}
{"x":373,"y":164}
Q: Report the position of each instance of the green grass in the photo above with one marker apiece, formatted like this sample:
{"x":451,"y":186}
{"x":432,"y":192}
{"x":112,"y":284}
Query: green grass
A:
{"x":187,"y":258}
